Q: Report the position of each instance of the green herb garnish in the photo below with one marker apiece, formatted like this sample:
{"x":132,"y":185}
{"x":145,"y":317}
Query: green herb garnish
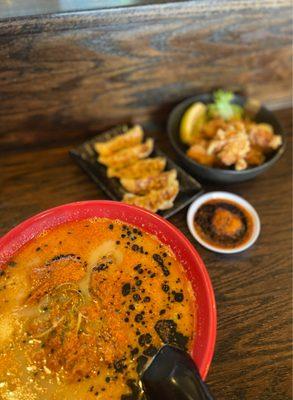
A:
{"x":223,"y":107}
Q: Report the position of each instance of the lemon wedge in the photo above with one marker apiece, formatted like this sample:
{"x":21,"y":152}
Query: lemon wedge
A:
{"x":192,"y":122}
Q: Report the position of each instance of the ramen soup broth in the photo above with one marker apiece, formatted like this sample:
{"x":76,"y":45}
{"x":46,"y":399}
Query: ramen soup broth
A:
{"x":84,"y":306}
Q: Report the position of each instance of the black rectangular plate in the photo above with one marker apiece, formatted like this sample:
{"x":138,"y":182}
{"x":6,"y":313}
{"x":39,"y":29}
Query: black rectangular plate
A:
{"x":86,"y":157}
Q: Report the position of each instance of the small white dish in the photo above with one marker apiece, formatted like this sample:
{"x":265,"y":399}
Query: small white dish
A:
{"x":223,"y":196}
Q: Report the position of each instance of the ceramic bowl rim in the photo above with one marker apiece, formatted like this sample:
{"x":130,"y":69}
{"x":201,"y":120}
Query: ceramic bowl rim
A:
{"x":12,"y":241}
{"x":221,"y":195}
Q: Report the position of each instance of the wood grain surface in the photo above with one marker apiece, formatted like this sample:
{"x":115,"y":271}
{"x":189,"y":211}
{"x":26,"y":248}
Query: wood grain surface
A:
{"x":253,"y":289}
{"x":66,"y":75}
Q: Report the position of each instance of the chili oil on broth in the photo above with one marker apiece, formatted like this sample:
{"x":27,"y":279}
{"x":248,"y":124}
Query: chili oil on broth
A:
{"x":84,"y":306}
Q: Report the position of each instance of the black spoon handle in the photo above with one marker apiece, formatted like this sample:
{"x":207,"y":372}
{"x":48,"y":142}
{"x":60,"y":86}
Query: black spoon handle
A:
{"x":172,"y":375}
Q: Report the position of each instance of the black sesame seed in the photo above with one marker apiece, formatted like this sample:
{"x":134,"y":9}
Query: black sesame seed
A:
{"x":11,"y":263}
{"x":138,"y":318}
{"x":100,"y":267}
{"x":168,"y":333}
{"x":147,"y":299}
{"x":158,"y":258}
{"x":107,"y":379}
{"x":117,"y":241}
{"x":135,"y":247}
{"x":160,"y":262}
{"x":178,"y":297}
{"x":148,"y":338}
{"x":111,"y":227}
{"x":145,"y":339}
{"x":134,"y":351}
{"x":136,"y":297}
{"x":138,"y":282}
{"x":126,"y":289}
{"x":119,"y":365}
{"x":141,"y":340}
{"x":165,"y":288}
{"x":162,"y":312}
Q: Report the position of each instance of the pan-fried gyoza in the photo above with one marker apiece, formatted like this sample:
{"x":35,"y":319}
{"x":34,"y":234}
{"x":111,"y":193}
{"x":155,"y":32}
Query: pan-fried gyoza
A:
{"x":130,"y":138}
{"x":142,"y":168}
{"x":153,"y":182}
{"x":147,"y":185}
{"x":155,"y":199}
{"x":128,"y":156}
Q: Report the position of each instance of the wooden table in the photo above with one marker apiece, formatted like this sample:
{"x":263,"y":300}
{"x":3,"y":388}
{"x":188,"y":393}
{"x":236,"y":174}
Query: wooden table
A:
{"x":253,"y":290}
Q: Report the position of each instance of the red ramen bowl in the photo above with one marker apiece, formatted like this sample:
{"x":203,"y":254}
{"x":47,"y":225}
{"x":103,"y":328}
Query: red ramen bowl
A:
{"x":204,"y":341}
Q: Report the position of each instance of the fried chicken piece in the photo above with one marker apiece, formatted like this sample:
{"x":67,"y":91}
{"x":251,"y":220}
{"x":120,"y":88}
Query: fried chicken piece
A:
{"x":198,"y":152}
{"x":152,"y":182}
{"x":140,"y":169}
{"x":262,"y":135}
{"x":129,"y":155}
{"x":255,"y":156}
{"x":156,"y":199}
{"x":211,"y":127}
{"x":130,"y":138}
{"x":241,"y":164}
{"x":230,"y":148}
